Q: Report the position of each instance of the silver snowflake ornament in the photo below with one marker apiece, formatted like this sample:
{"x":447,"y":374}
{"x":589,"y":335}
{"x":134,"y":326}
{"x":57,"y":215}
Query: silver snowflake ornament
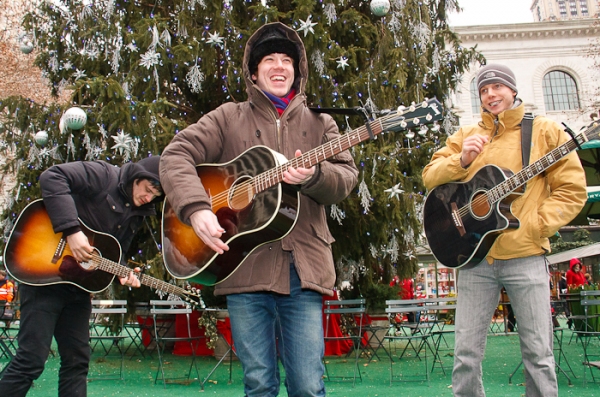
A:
{"x":214,"y":39}
{"x":307,"y":26}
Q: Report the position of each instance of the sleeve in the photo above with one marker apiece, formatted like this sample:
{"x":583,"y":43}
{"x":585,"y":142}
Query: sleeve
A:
{"x":444,"y":166}
{"x":60,"y":182}
{"x":335,"y":178}
{"x":566,"y":182}
{"x":199,"y":143}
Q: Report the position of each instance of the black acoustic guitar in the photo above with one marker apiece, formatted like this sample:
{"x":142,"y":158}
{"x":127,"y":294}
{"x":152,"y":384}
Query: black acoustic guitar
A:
{"x":252,"y":204}
{"x":463,"y":219}
{"x":35,"y":255}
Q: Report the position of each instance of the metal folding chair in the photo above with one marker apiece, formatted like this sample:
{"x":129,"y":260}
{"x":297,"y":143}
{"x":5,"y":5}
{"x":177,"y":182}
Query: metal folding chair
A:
{"x":350,"y":314}
{"x":7,"y":334}
{"x":411,"y":335}
{"x":229,"y":353}
{"x":164,"y":314}
{"x":589,"y":333}
{"x":434,"y":307}
{"x":105,"y":338}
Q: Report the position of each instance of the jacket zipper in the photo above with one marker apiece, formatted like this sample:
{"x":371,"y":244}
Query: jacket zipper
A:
{"x":495,"y":130}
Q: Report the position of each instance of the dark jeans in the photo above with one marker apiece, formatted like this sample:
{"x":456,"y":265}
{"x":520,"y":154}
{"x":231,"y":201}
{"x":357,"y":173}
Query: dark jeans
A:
{"x":62,"y":311}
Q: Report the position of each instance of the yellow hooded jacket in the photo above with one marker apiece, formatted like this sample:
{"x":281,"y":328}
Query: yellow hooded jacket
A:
{"x":551,"y":200}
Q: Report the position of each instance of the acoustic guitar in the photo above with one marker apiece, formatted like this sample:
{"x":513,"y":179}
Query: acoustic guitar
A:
{"x":463,"y":219}
{"x":35,"y":255}
{"x":253,"y":205}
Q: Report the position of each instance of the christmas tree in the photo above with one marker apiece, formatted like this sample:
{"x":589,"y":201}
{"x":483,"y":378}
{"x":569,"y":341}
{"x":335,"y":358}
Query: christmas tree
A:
{"x":139,"y":72}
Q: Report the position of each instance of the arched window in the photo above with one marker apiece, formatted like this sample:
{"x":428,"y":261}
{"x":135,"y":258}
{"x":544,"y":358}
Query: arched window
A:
{"x":475,"y":102}
{"x":560,"y":91}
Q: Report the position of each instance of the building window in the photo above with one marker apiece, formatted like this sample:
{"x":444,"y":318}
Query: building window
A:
{"x":583,"y":7}
{"x":475,"y":101}
{"x":562,"y":9}
{"x":573,"y":8}
{"x":560,"y":91}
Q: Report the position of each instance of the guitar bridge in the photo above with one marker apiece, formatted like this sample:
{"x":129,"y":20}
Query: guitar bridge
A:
{"x":457,"y":220}
{"x":59,"y":250}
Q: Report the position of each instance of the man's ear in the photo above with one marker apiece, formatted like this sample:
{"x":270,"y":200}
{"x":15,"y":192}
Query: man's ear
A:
{"x":253,"y":77}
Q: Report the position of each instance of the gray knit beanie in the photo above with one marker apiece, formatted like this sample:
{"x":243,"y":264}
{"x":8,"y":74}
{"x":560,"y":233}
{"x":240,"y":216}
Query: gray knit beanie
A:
{"x":495,"y":73}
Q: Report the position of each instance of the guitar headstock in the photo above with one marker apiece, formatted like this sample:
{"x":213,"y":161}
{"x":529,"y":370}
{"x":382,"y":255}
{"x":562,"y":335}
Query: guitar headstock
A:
{"x":413,"y":116}
{"x":592,"y":131}
{"x":191,"y":295}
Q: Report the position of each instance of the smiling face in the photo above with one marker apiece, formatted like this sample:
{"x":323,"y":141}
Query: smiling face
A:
{"x":496,"y":98}
{"x":275,"y":74}
{"x":144,"y":192}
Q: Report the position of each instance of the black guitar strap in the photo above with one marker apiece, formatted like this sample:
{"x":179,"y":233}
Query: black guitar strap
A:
{"x":526,"y":130}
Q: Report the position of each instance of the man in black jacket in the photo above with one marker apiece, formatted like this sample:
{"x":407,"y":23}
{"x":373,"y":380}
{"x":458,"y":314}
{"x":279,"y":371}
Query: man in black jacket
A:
{"x":107,"y":199}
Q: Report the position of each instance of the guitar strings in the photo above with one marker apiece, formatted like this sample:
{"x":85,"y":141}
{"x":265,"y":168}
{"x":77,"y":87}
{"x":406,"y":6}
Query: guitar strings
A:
{"x":556,"y":154}
{"x":123,"y":271}
{"x":247,"y":189}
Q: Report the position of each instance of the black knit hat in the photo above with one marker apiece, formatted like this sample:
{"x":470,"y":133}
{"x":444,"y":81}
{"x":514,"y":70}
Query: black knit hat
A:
{"x":272,"y":41}
{"x":495,"y":73}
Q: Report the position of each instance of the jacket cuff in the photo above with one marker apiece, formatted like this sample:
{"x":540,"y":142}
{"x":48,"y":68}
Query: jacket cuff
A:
{"x":188,"y":210}
{"x":71,"y":230}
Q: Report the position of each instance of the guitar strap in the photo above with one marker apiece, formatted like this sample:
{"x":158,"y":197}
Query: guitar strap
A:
{"x":526,"y":131}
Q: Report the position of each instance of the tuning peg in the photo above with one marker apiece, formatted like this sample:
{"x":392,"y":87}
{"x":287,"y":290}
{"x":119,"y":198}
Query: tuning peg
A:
{"x":435,"y":127}
{"x":424,"y":103}
{"x":401,"y":110}
{"x":423,"y":130}
{"x":410,"y":134}
{"x":428,"y":117}
{"x":412,"y":107}
{"x":416,"y":121}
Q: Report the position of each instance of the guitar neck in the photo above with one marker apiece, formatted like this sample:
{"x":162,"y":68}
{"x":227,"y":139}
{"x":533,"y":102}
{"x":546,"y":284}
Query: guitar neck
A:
{"x":504,"y":189}
{"x":123,"y":271}
{"x":317,"y":155}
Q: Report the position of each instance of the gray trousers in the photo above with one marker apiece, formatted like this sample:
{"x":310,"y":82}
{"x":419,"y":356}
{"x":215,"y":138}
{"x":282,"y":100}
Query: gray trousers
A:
{"x":526,"y":281}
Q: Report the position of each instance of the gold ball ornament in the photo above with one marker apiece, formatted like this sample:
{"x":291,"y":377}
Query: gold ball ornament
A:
{"x":74,"y":118}
{"x":380,"y":7}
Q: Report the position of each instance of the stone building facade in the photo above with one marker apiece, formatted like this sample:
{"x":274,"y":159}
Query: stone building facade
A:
{"x":556,"y":76}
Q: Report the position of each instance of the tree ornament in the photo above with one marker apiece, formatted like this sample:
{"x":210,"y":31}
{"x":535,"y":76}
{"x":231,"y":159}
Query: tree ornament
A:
{"x":307,"y":26}
{"x":74,"y":118}
{"x":41,"y":138}
{"x":380,"y":7}
{"x":26,"y":47}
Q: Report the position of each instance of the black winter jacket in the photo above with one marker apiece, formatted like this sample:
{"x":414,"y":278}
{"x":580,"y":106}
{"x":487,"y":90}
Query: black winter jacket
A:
{"x":99,"y":194}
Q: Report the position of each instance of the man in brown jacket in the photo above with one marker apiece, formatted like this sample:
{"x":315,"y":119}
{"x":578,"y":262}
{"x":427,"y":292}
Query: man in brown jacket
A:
{"x":274,"y":297}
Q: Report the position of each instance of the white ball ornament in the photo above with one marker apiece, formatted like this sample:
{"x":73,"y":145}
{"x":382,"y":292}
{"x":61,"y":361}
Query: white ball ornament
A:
{"x":41,"y":138}
{"x":74,"y":118}
{"x":25,"y":44}
{"x":380,"y":7}
{"x":26,"y":47}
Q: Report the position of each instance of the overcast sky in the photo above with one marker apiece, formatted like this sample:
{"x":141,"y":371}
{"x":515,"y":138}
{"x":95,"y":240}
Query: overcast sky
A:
{"x":491,"y":12}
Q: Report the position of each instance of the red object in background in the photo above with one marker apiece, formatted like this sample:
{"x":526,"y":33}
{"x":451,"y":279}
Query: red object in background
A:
{"x":339,"y":347}
{"x":183,"y":348}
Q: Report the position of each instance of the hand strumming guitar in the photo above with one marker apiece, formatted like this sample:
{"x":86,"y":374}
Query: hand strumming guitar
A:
{"x":207,"y":228}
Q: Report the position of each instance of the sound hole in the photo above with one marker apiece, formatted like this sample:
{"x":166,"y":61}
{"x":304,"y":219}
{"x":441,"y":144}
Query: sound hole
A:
{"x":241,"y":193}
{"x":480,"y":207}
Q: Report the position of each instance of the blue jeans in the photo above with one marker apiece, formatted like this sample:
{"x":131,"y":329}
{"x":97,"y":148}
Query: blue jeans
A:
{"x":526,"y":281}
{"x":266,"y":325}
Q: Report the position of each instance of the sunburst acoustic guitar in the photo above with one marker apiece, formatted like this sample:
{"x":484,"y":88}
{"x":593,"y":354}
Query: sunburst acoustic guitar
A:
{"x":35,"y":255}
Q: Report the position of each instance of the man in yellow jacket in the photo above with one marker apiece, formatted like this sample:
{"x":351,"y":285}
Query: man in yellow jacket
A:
{"x":516,"y":260}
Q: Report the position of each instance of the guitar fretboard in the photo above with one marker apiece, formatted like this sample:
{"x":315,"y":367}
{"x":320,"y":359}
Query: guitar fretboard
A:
{"x":504,"y":189}
{"x":123,"y":271}
{"x":396,"y":121}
